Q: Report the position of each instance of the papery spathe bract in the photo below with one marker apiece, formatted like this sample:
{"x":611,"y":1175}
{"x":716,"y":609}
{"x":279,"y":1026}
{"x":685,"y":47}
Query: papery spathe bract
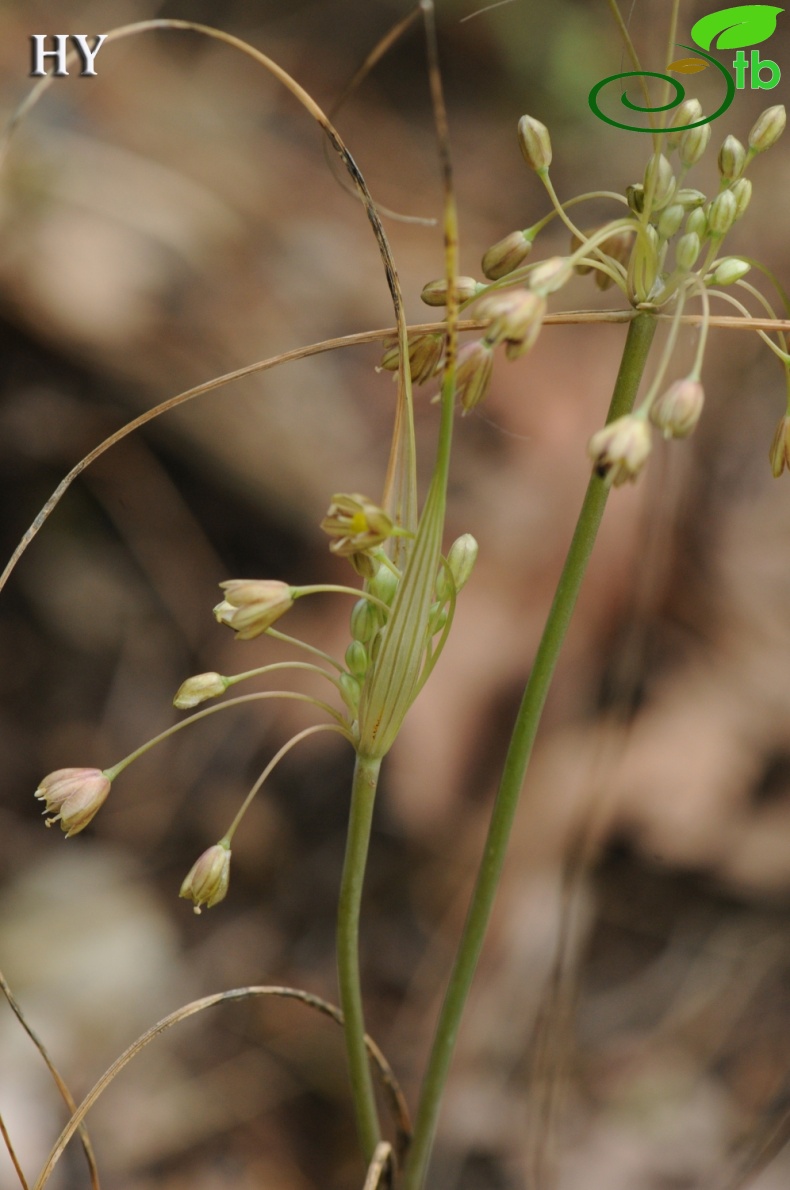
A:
{"x":73,"y":796}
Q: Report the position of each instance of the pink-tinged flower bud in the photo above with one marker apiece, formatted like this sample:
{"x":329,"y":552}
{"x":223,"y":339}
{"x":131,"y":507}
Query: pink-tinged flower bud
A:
{"x":356,"y":524}
{"x":550,"y":275}
{"x":535,"y":143}
{"x":779,"y":453}
{"x":251,"y":606}
{"x":506,"y":255}
{"x":515,"y":317}
{"x":73,"y":796}
{"x":435,"y":292}
{"x":425,"y":356}
{"x":199,"y":688}
{"x":769,"y":127}
{"x":207,"y":881}
{"x":619,"y":450}
{"x":677,"y":411}
{"x":474,"y":372}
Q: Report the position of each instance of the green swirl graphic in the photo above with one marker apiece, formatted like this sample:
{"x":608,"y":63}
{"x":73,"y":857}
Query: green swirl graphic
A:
{"x":680,"y":95}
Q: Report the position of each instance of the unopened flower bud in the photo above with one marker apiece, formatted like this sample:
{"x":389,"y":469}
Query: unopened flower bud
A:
{"x":365,"y":620}
{"x":350,"y":690}
{"x":535,"y":142}
{"x":437,"y":618}
{"x":687,"y":112}
{"x":461,"y":559}
{"x":689,"y":198}
{"x":698,"y":223}
{"x":251,"y":606}
{"x":677,"y":411}
{"x":635,"y":196}
{"x":197,"y":689}
{"x":207,"y":881}
{"x":619,"y":450}
{"x":728,"y":271}
{"x":384,"y":584}
{"x":732,"y":158}
{"x":515,"y":316}
{"x":550,"y":275}
{"x":779,"y":453}
{"x":670,"y":220}
{"x":693,"y":144}
{"x":474,"y":372}
{"x":357,"y":659}
{"x":721,"y":214}
{"x":73,"y":796}
{"x":687,"y":250}
{"x":435,"y":292}
{"x":659,"y":181}
{"x":741,"y":191}
{"x":355,"y":523}
{"x":505,"y":256}
{"x":425,"y":356}
{"x":768,"y":128}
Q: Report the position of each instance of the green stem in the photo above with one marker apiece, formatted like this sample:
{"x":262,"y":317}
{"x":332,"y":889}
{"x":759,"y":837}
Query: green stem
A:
{"x":637,"y":345}
{"x":363,"y":794}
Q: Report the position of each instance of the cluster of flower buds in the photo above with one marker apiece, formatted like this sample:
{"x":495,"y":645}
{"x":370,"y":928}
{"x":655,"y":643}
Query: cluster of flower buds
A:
{"x":426,"y":353}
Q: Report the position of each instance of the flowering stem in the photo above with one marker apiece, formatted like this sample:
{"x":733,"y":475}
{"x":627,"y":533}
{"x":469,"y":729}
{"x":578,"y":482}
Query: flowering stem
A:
{"x":637,"y":345}
{"x":363,"y":794}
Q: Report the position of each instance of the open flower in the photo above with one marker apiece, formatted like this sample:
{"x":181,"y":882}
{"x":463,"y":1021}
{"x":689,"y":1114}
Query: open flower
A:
{"x":356,"y":524}
{"x":73,"y":796}
{"x":619,"y":450}
{"x":251,"y":606}
{"x":207,"y":880}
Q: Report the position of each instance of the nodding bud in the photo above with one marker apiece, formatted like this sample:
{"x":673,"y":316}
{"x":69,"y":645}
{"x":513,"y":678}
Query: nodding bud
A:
{"x":722,"y":213}
{"x":687,"y":250}
{"x":619,"y":450}
{"x":425,"y":356}
{"x":768,"y":128}
{"x":207,"y":881}
{"x":687,"y":112}
{"x":741,"y":191}
{"x":356,"y":524}
{"x":728,"y":271}
{"x":435,"y":292}
{"x":535,"y":142}
{"x":732,"y":158}
{"x":693,"y":144}
{"x":73,"y":797}
{"x":473,"y":373}
{"x":251,"y":606}
{"x":677,"y":411}
{"x":514,"y":317}
{"x":659,"y":181}
{"x":779,"y":454}
{"x":199,"y":688}
{"x":461,"y":559}
{"x":505,"y":256}
{"x":550,"y":275}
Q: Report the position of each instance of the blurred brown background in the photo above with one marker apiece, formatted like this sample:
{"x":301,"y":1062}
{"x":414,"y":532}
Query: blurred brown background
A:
{"x":173,"y":219}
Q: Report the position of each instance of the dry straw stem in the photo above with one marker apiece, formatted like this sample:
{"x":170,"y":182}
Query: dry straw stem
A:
{"x":380,"y":1171}
{"x":66,"y":1095}
{"x":564,"y":318}
{"x":394,"y":1095}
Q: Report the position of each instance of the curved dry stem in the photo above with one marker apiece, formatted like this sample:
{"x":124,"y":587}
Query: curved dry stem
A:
{"x":393,"y":1093}
{"x":380,"y":1170}
{"x":57,"y":1078}
{"x":14,"y":1159}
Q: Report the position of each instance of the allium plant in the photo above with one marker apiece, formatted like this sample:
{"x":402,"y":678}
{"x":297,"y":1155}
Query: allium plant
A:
{"x":663,"y":255}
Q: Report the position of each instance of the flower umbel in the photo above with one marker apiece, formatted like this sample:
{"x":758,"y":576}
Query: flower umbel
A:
{"x":73,"y":796}
{"x":356,"y":524}
{"x":206,"y":883}
{"x":619,"y":450}
{"x":251,"y":606}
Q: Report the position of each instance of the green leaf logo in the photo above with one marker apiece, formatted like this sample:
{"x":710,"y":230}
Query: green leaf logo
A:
{"x":688,"y":65}
{"x":746,"y":24}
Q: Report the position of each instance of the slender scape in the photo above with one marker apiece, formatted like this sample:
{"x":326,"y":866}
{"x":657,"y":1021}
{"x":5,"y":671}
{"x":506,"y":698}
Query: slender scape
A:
{"x":635,"y":352}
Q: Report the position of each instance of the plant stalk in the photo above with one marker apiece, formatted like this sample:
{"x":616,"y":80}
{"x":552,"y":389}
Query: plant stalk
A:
{"x":363,"y":795}
{"x":635,"y":352}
